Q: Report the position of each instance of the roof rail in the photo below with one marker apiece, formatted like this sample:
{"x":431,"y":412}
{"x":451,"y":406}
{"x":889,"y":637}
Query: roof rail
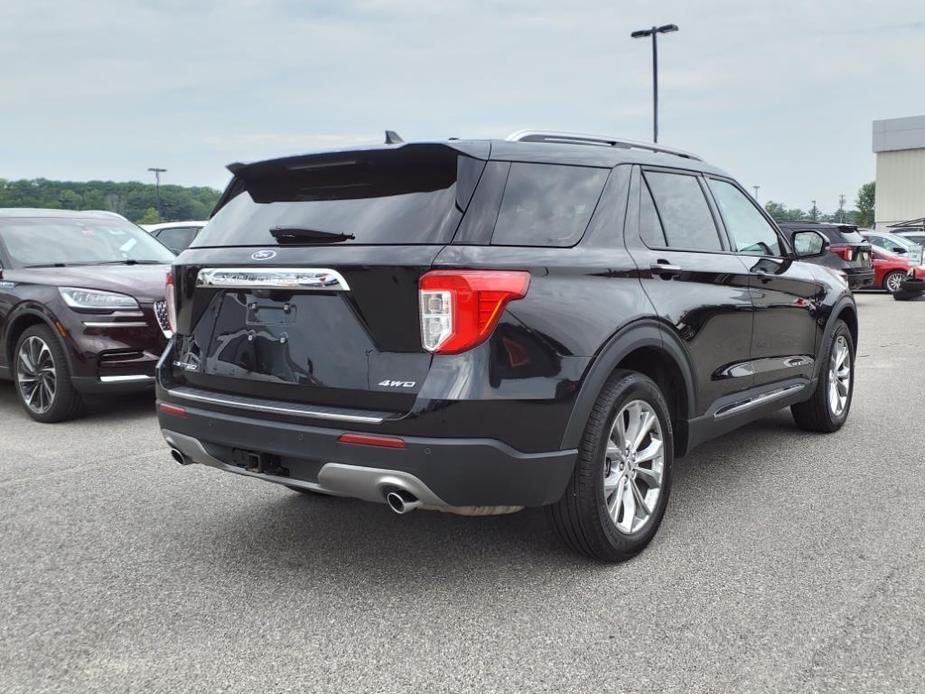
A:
{"x":567,"y":138}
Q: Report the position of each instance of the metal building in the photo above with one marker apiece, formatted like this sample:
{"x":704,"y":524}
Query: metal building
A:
{"x":899,"y":144}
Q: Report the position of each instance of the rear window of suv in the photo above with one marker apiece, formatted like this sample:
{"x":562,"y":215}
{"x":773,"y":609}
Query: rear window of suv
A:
{"x":411,"y":195}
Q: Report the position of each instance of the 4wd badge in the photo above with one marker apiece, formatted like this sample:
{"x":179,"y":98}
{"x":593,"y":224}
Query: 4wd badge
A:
{"x":396,"y":384}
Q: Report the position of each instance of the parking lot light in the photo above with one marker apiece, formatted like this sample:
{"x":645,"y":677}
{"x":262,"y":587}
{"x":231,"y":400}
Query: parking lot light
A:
{"x":654,"y":32}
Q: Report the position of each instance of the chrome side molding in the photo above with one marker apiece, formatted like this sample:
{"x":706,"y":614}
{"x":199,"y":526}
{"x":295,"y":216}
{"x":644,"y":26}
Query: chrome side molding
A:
{"x":272,"y":278}
{"x":762,"y":399}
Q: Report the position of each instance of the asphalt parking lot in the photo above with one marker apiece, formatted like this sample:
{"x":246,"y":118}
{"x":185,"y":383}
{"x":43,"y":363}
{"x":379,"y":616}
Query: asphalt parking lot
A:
{"x":786,"y":562}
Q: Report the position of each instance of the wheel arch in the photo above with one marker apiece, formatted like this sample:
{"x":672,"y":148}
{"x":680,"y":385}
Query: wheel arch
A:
{"x":21,"y":319}
{"x":650,"y":349}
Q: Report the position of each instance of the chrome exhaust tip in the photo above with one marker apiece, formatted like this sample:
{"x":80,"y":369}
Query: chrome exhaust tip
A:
{"x":402,"y":502}
{"x":179,"y":457}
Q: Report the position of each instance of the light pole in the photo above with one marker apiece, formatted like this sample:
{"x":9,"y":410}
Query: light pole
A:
{"x":814,"y":211}
{"x":157,"y":188}
{"x":756,"y":192}
{"x":654,"y":32}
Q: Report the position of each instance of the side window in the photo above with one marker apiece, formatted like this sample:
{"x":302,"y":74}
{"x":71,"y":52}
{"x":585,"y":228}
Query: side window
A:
{"x":650,"y":227}
{"x":177,"y":238}
{"x":748,"y":228}
{"x":547,"y":204}
{"x":685,"y":216}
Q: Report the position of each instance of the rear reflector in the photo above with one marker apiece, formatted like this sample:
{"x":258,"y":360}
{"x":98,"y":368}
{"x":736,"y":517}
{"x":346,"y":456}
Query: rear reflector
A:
{"x":170,"y":297}
{"x":175,"y":410}
{"x":460,"y":308}
{"x":366,"y":440}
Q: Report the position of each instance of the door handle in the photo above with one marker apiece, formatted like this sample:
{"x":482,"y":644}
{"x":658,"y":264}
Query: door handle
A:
{"x":665,"y":269}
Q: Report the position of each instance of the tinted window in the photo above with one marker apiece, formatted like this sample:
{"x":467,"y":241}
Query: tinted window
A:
{"x":683,"y":211}
{"x":177,"y":238}
{"x":547,"y":204}
{"x":406,"y":195}
{"x":78,"y":241}
{"x":650,"y":228}
{"x":748,"y":228}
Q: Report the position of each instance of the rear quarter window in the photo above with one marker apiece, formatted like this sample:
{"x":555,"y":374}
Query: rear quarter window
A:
{"x":547,"y":204}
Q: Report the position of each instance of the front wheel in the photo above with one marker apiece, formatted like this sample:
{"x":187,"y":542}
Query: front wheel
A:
{"x":43,"y":380}
{"x":827,"y":410}
{"x":619,"y":489}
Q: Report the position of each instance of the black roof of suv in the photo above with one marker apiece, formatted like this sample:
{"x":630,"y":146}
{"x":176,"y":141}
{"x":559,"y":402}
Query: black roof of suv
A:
{"x":482,"y":325}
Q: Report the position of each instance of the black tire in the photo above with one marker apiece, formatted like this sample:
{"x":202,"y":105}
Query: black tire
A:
{"x":816,"y":414}
{"x":581,"y":516}
{"x":66,"y":402}
{"x":898,"y":276}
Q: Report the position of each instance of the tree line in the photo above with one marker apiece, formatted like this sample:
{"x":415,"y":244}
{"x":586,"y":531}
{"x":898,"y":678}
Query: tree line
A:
{"x":862,"y":215}
{"x":134,"y":200}
{"x":138,"y":201}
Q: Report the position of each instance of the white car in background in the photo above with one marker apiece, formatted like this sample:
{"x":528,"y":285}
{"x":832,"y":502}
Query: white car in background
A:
{"x":177,"y":236}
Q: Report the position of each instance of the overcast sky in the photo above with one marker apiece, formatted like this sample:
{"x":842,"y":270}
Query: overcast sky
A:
{"x":780,"y":94}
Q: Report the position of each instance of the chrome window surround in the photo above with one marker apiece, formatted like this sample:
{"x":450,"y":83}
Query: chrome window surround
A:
{"x":272,"y":278}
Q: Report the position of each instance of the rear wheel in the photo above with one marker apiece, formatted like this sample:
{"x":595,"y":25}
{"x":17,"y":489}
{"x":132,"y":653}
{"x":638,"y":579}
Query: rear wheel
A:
{"x":827,"y":410}
{"x":43,"y":380}
{"x":619,"y":490}
{"x":893,"y":282}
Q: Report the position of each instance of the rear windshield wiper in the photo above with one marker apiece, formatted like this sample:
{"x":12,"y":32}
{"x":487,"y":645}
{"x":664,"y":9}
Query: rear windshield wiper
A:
{"x":295,"y":236}
{"x":29,"y":267}
{"x":128,"y":261}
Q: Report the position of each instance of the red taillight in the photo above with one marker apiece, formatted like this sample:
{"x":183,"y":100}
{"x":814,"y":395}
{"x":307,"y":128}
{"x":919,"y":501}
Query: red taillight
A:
{"x":460,"y":308}
{"x":170,"y":297}
{"x":843,"y":252}
{"x":175,"y":410}
{"x":367,"y":440}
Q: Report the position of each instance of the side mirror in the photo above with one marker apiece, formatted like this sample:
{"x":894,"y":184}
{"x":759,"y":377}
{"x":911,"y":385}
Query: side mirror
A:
{"x":809,"y":244}
{"x":899,"y":250}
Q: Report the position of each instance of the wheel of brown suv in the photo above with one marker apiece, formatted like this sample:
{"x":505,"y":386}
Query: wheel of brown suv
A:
{"x":619,"y":489}
{"x":827,"y":410}
{"x":42,"y":376}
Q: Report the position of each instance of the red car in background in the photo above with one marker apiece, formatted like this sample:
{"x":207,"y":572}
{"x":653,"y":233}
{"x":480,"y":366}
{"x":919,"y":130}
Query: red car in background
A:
{"x":890,"y":270}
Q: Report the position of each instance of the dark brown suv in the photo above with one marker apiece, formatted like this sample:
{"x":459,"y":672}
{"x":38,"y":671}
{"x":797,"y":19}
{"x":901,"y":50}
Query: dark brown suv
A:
{"x":81,"y":307}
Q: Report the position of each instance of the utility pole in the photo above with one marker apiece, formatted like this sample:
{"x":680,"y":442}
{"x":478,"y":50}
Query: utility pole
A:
{"x":814,"y":211}
{"x":654,"y":32}
{"x":841,"y":208}
{"x":756,"y":192}
{"x":157,"y":188}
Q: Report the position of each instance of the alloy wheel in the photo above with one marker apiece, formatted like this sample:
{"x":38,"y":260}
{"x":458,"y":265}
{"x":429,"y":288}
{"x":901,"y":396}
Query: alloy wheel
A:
{"x":894,"y":282}
{"x":36,"y":376}
{"x":634,"y":467}
{"x":839,"y":376}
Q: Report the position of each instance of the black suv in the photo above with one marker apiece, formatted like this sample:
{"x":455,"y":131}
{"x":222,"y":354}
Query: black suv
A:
{"x":477,"y":326}
{"x":849,"y":251}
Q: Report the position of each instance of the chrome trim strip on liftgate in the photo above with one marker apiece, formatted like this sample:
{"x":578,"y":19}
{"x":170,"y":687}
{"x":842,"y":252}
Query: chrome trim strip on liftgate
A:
{"x":272,"y":278}
{"x":254,"y":404}
{"x":762,"y":399}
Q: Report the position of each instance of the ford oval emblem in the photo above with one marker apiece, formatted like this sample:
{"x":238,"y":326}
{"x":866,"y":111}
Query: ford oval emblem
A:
{"x":263,"y":255}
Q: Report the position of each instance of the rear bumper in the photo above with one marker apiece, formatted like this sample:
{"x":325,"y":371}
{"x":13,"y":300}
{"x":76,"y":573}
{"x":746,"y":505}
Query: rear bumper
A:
{"x":859,"y":279}
{"x":442,"y":472}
